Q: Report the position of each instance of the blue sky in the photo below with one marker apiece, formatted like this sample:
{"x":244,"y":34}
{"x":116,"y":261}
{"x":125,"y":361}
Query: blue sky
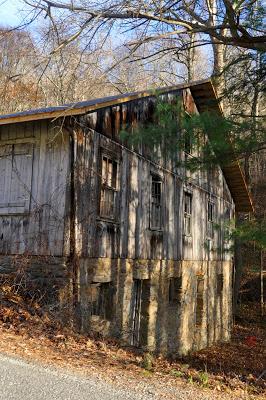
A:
{"x":10,"y":12}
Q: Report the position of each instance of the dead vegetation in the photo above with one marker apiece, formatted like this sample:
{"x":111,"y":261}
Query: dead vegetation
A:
{"x":29,"y":328}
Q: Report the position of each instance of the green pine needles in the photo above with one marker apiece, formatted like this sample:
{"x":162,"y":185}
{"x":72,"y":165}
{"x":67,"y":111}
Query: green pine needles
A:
{"x":209,"y":138}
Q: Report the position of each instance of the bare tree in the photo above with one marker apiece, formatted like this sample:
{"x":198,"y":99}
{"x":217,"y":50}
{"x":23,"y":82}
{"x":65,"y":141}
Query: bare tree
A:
{"x":17,"y":59}
{"x":178,"y":27}
{"x":231,"y":23}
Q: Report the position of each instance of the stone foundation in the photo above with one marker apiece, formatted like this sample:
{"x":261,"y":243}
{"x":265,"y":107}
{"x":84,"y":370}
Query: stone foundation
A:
{"x":132,"y":300}
{"x":45,"y":277}
{"x":166,"y":326}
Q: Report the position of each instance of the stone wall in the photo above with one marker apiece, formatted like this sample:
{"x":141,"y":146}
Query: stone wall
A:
{"x":47,"y":278}
{"x":172,"y":322}
{"x":167,"y":325}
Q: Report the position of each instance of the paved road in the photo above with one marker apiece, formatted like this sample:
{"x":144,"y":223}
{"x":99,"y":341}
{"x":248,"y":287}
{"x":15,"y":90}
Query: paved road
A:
{"x":20,"y":380}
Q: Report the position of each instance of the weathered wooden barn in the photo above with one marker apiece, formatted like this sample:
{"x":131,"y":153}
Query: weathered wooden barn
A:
{"x":136,"y":248}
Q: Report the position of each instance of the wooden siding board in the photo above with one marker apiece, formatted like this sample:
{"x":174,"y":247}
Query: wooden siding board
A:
{"x":145,"y":204}
{"x":139,"y":234}
{"x":133,"y":206}
{"x":124,"y":204}
{"x":39,"y":231}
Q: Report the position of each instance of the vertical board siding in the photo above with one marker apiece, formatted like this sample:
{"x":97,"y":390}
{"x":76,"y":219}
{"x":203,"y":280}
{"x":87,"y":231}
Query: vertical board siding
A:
{"x":45,"y":229}
{"x":130,"y":234}
{"x":124,"y":205}
{"x":133,"y":236}
{"x":40,"y":230}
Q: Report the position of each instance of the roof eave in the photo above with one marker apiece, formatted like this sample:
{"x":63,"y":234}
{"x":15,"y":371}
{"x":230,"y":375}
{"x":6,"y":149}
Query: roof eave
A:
{"x":237,"y":185}
{"x":73,"y":110}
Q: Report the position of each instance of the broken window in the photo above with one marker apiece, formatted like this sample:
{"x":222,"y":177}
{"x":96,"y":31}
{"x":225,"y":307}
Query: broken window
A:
{"x":175,"y":290}
{"x":199,"y":300}
{"x":187,"y":213}
{"x":109,"y":187}
{"x":140,"y":308}
{"x":210,"y":221}
{"x":156,"y":203}
{"x":102,"y":299}
{"x":15,"y":178}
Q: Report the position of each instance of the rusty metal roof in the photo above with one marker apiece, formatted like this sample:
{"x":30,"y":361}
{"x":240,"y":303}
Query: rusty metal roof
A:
{"x":202,"y":91}
{"x":204,"y":96}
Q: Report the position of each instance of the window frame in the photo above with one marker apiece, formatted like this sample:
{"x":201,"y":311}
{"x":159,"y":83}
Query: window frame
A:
{"x":187,"y":215}
{"x":156,"y":179}
{"x":211,"y":219}
{"x":108,"y":186}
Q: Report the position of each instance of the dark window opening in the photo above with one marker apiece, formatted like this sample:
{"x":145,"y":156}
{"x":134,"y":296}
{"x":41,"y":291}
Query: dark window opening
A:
{"x":210,"y":211}
{"x":156,"y":203}
{"x":210,"y":222}
{"x":109,"y":185}
{"x":140,"y":315}
{"x":187,"y":213}
{"x":102,"y":300}
{"x":199,"y":300}
{"x":220,"y":284}
{"x":175,"y":290}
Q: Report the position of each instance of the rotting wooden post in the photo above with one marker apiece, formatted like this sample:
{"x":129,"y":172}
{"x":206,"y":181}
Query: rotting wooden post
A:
{"x":73,"y":258}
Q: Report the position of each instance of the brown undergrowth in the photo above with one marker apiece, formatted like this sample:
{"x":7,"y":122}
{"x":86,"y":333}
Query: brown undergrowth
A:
{"x":31,"y":330}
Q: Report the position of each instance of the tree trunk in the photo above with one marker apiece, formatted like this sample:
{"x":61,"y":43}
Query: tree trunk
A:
{"x":191,"y":59}
{"x":218,"y":56}
{"x":218,"y":69}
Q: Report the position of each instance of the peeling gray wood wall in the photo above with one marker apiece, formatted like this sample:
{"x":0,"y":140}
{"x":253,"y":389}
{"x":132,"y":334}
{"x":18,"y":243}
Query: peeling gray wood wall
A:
{"x":40,"y":230}
{"x":133,"y":235}
{"x":133,"y":232}
{"x":45,"y":229}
